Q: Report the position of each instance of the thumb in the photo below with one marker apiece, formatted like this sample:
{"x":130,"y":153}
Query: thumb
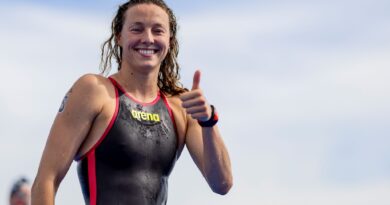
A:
{"x":195,"y":84}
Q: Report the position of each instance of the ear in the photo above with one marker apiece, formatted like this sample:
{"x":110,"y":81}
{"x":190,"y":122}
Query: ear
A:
{"x":172,"y":42}
{"x":118,"y":40}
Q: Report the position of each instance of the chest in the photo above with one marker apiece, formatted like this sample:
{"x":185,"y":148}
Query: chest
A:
{"x":143,"y":134}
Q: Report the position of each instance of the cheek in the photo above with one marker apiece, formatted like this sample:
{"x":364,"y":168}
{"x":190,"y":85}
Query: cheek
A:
{"x":128,"y":44}
{"x":167,"y":44}
{"x":164,"y":40}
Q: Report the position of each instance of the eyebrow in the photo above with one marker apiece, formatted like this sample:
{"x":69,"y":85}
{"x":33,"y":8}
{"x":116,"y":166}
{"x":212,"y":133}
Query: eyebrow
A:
{"x":140,"y":24}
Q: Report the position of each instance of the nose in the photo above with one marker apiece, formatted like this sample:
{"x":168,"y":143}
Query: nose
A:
{"x":148,"y":37}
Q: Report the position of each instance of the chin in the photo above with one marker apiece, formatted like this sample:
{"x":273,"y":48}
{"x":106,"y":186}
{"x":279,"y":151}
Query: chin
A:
{"x":149,"y":67}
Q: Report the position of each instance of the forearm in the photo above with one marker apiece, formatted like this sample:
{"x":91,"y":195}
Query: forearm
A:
{"x":216,"y":163}
{"x":43,"y":192}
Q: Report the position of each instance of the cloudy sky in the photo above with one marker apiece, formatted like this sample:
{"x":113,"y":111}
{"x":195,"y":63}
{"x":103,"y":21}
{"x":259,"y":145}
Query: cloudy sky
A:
{"x":302,"y":88}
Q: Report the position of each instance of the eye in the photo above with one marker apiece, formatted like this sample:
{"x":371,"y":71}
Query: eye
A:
{"x":158,"y":31}
{"x":136,"y":29}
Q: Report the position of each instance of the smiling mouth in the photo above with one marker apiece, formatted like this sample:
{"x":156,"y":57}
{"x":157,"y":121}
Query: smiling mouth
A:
{"x":147,"y":51}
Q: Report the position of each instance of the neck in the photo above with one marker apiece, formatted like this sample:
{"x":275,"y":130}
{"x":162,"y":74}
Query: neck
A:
{"x":140,"y":85}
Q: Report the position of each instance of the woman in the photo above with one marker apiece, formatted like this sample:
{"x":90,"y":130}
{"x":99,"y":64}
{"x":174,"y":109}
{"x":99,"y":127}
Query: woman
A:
{"x":128,"y":130}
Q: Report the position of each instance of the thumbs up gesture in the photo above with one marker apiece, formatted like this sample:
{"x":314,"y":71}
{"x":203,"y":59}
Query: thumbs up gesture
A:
{"x":194,"y":101}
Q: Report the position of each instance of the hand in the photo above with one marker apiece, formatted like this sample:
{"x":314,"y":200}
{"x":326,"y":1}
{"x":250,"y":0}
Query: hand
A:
{"x":194,"y":101}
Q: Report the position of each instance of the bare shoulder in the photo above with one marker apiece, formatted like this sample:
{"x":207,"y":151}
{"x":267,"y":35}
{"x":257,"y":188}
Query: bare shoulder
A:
{"x":175,"y":103}
{"x":93,"y":86}
{"x":181,"y":117}
{"x":90,"y":91}
{"x":174,"y":100}
{"x":93,"y":82}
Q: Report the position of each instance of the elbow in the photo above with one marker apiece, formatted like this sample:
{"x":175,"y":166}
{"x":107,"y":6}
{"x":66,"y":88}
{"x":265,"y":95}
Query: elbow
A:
{"x":223,"y":188}
{"x":35,"y":191}
{"x":34,"y":187}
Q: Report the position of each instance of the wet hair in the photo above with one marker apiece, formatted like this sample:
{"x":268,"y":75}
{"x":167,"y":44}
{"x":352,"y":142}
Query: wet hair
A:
{"x":15,"y":190}
{"x":168,"y":76}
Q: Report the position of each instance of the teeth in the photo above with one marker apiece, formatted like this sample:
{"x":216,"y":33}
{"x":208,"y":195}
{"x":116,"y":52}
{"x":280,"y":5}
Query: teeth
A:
{"x":146,"y":52}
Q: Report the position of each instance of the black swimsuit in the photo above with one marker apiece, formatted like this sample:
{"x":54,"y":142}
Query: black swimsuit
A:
{"x":131,"y":162}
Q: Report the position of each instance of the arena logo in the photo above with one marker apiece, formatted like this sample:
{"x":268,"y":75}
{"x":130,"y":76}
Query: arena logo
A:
{"x":145,"y":116}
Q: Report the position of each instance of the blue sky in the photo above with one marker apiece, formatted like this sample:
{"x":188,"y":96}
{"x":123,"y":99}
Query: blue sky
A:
{"x":302,"y":89}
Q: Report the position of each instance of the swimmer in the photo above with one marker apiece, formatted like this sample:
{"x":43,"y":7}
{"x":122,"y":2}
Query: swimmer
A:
{"x":126,"y":131}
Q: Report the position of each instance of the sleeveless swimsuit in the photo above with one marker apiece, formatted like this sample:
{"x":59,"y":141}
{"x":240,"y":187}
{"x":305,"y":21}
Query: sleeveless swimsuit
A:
{"x":131,"y":162}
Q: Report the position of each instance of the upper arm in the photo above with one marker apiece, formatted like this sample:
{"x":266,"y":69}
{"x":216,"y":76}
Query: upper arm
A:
{"x":70,"y":128}
{"x":189,"y":131}
{"x":194,"y":142}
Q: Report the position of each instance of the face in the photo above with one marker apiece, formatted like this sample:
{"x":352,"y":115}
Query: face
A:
{"x":144,"y":38}
{"x":22,"y":197}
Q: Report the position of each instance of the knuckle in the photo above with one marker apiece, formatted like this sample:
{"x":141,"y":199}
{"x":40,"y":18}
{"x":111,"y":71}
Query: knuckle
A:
{"x":198,"y":93}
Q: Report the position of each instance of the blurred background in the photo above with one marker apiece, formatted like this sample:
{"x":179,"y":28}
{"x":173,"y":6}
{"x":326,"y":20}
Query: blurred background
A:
{"x":302,"y":88}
